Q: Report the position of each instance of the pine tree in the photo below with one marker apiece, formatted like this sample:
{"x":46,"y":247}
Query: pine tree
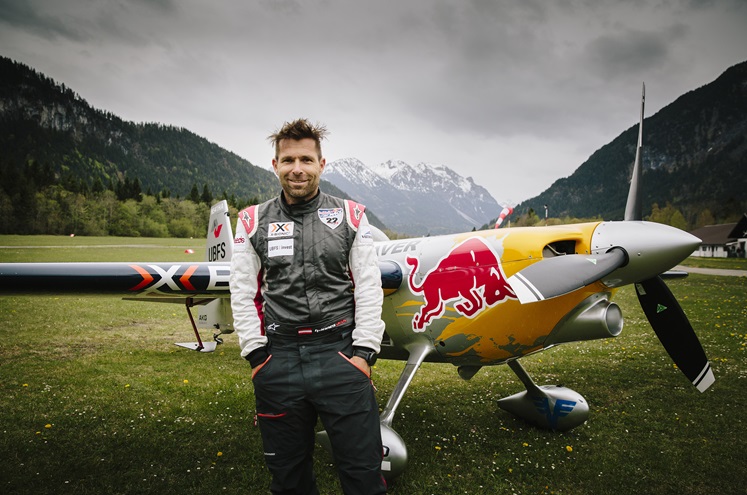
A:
{"x":194,"y":194}
{"x":207,"y":196}
{"x":136,"y":191}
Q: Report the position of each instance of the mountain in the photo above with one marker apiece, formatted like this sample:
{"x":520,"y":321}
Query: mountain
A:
{"x":694,"y":156}
{"x":51,"y":125}
{"x":417,"y":200}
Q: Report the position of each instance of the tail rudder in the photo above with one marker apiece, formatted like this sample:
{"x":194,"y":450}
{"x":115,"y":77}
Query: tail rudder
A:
{"x":219,"y":234}
{"x":216,"y":315}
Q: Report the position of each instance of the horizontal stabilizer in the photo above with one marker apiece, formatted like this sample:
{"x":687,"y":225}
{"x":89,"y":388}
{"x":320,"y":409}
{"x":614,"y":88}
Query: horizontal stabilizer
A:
{"x":195,"y":346}
{"x":150,"y":297}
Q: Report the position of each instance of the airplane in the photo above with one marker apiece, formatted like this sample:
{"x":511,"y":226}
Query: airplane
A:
{"x":471,"y":299}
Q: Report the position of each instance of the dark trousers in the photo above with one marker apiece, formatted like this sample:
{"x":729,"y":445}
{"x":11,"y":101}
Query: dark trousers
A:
{"x":304,"y":378}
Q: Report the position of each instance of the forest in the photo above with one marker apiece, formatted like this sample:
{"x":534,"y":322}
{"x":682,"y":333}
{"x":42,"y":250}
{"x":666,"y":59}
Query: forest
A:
{"x":35,"y":200}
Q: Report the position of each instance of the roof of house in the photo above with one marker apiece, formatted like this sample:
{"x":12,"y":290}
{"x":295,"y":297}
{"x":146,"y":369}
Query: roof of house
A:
{"x":740,"y":230}
{"x":722,"y":234}
{"x":715,"y":234}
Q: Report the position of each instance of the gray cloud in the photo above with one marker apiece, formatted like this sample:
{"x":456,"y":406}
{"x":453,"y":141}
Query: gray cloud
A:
{"x":463,"y":83}
{"x":613,"y":55}
{"x":25,"y":15}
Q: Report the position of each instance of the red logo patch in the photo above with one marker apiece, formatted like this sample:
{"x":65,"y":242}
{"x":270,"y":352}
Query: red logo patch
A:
{"x":470,"y":274}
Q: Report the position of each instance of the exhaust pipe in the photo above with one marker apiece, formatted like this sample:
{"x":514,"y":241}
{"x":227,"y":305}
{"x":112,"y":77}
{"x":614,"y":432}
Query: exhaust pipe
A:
{"x":596,"y":317}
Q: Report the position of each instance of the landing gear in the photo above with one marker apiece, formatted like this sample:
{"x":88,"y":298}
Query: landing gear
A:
{"x":395,"y":451}
{"x":199,"y":345}
{"x":551,"y":407}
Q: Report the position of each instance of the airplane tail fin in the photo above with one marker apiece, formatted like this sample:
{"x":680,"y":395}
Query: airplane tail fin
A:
{"x":216,"y":314}
{"x":219,"y":235}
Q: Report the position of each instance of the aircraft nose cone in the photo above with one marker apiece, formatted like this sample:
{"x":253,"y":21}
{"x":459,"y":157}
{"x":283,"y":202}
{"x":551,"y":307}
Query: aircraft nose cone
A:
{"x":652,"y":248}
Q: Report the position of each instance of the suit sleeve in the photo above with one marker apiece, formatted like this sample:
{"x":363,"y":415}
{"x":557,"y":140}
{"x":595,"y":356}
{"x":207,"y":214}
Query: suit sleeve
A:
{"x":244,"y":282}
{"x":364,"y":265}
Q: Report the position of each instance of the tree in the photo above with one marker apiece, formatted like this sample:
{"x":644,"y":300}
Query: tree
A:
{"x":194,"y":194}
{"x":48,"y":218}
{"x":6,"y":213}
{"x":150,"y":208}
{"x":136,"y":191}
{"x":122,"y":189}
{"x":181,"y":227}
{"x":669,"y":215}
{"x":98,"y":186}
{"x":705,"y":217}
{"x":125,"y":221}
{"x":530,"y":219}
{"x":677,"y":220}
{"x":207,"y":196}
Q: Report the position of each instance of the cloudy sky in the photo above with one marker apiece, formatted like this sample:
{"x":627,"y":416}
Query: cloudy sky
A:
{"x":515,"y":94}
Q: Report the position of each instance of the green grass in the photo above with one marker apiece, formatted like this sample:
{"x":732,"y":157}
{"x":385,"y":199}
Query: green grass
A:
{"x":48,"y":248}
{"x":722,"y":263}
{"x":95,"y":398}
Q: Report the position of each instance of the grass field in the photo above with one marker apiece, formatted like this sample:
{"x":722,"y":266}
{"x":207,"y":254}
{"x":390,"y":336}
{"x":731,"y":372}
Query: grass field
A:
{"x":95,"y":398}
{"x":721,"y":263}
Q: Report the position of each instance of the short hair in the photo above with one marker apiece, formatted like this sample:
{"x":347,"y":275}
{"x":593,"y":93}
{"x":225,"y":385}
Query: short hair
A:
{"x":297,"y":130}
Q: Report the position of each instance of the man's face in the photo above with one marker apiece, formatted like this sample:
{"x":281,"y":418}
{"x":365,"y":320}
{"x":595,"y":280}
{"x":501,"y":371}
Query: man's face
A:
{"x":298,"y":167}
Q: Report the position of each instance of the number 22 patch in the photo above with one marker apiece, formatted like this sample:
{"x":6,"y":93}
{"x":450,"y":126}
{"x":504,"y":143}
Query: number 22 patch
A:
{"x":331,"y":217}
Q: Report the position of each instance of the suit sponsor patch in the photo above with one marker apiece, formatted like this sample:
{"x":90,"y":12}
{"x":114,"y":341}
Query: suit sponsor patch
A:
{"x":280,"y":229}
{"x":365,"y":236}
{"x":331,"y":217}
{"x":280,"y":247}
{"x":239,"y":243}
{"x":248,"y":219}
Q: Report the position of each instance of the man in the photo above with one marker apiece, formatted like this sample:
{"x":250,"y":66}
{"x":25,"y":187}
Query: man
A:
{"x":310,"y":338}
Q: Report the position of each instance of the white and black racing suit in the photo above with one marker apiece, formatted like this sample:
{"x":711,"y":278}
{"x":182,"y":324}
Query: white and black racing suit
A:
{"x":305,"y":289}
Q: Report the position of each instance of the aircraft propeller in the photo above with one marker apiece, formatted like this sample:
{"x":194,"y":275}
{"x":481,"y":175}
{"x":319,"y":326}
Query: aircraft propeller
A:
{"x":654,"y":249}
{"x":675,"y":331}
{"x":553,"y":277}
{"x":663,"y":311}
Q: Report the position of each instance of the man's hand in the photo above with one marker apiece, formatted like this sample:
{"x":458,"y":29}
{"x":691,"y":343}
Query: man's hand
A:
{"x":362,"y":364}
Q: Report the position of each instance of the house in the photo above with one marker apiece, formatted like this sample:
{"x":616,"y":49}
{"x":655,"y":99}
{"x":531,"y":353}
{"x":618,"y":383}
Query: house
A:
{"x":728,"y":240}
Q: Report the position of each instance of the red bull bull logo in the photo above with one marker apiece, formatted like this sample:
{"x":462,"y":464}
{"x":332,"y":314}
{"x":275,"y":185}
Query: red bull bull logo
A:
{"x":470,"y":275}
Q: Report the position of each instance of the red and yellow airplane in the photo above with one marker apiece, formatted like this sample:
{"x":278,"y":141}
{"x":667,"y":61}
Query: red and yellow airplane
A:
{"x":473,"y":299}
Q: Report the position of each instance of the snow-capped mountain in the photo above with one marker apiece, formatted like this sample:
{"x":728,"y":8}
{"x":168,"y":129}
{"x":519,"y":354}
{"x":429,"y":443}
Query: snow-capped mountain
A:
{"x":415,"y":200}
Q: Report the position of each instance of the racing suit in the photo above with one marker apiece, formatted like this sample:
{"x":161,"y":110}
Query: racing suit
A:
{"x":293,"y":271}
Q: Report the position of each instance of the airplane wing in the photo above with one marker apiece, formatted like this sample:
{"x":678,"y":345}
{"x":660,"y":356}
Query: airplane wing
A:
{"x":165,"y":280}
